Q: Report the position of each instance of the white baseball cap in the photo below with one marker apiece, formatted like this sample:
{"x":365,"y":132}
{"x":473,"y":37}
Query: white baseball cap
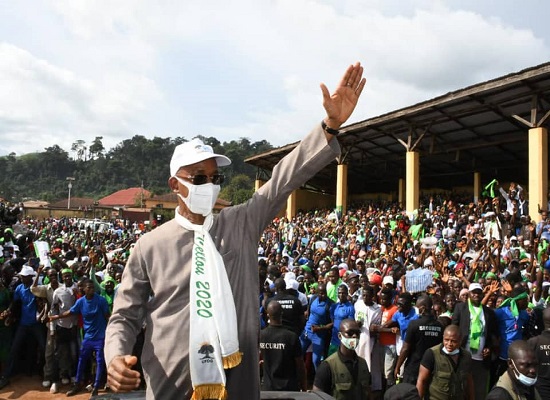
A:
{"x":193,"y":152}
{"x":27,"y":270}
{"x":474,"y":286}
{"x":387,"y":279}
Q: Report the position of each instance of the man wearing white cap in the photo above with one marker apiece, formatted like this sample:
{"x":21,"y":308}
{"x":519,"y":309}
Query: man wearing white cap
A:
{"x":492,"y":226}
{"x":388,"y":280}
{"x":28,"y":325}
{"x":479,"y":333}
{"x":449,"y":232}
{"x":196,"y":276}
{"x":471,"y":228}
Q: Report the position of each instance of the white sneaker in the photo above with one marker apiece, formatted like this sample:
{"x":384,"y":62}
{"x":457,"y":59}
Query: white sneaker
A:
{"x":46,"y":383}
{"x":90,"y":387}
{"x":53,"y":388}
{"x":65,"y":381}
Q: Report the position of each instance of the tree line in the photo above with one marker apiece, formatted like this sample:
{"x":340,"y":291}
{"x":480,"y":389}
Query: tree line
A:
{"x":132,"y":163}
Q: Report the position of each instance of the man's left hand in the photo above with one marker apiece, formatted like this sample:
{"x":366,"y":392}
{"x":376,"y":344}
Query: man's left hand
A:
{"x":342,"y":102}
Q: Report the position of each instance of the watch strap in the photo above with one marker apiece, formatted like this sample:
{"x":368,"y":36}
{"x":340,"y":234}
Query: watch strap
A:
{"x":330,"y":131}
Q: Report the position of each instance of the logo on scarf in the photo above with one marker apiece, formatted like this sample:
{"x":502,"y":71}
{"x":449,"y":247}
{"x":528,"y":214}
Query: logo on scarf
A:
{"x":206,"y":349}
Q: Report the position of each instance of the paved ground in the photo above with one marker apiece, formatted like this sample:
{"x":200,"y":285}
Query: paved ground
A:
{"x":30,"y":388}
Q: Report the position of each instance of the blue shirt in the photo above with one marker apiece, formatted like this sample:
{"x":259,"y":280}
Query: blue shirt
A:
{"x":318,"y":315}
{"x":404,"y":320}
{"x":338,"y":313}
{"x":545,"y":227}
{"x":93,"y":313}
{"x":510,"y":328}
{"x":28,"y":304}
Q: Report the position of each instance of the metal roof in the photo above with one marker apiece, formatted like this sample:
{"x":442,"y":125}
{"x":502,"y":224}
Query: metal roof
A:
{"x":481,"y":128}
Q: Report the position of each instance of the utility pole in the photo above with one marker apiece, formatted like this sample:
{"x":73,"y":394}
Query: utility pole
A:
{"x":70,"y":179}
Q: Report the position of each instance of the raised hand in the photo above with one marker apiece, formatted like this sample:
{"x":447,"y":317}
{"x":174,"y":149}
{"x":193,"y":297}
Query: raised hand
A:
{"x":506,"y":286}
{"x":340,"y":104}
{"x":445,"y":276}
{"x":94,"y":258}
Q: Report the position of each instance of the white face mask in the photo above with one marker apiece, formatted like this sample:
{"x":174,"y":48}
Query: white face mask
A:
{"x":201,"y":198}
{"x":451,"y":353}
{"x":523,"y":379}
{"x":349,"y":343}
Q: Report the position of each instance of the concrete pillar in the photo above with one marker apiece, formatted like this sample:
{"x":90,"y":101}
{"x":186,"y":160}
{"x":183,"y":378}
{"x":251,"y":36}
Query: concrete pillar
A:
{"x":291,"y":205}
{"x":342,"y":188}
{"x":401,"y":190}
{"x":538,"y":171}
{"x":413,"y":181}
{"x":477,"y":186}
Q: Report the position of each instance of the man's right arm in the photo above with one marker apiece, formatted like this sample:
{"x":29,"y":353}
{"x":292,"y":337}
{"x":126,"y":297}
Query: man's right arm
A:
{"x":423,"y":380}
{"x":427,"y":365}
{"x":405,"y":350}
{"x":125,"y":324}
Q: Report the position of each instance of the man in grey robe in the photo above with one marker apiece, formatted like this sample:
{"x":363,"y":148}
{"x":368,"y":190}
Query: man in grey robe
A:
{"x":156,"y":280}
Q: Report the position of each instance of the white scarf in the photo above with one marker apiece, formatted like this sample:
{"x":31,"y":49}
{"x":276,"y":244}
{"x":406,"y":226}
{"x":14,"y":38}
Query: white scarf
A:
{"x":213,"y":337}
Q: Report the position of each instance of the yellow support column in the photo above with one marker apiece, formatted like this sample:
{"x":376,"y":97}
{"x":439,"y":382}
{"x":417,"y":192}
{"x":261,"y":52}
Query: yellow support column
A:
{"x":291,"y":205}
{"x":477,"y":186}
{"x":342,"y":188}
{"x":401,"y":192}
{"x":413,"y":181}
{"x":538,"y":171}
{"x":258,"y":183}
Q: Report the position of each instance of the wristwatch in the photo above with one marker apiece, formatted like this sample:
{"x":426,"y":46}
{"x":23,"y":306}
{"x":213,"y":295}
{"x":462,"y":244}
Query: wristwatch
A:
{"x":330,"y":131}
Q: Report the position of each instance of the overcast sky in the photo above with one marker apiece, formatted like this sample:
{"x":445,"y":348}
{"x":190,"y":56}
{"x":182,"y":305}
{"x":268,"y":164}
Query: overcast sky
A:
{"x":77,"y":69}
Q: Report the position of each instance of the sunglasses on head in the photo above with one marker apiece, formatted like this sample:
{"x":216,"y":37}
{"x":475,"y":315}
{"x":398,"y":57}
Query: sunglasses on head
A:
{"x":216,"y":179}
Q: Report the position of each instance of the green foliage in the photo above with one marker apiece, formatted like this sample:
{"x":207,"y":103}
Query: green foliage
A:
{"x":239,"y":189}
{"x":96,"y":148}
{"x":133,"y":162}
{"x":166,"y":214}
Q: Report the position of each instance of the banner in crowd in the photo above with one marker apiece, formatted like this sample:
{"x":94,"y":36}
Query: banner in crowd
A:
{"x":42,"y":249}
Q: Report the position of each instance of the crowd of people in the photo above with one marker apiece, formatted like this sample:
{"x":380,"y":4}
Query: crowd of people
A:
{"x":474,"y":275}
{"x":57,"y":286}
{"x":459,"y":273}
